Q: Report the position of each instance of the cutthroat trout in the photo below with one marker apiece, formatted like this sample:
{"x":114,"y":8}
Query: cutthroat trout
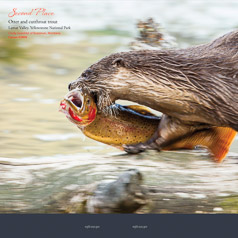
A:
{"x":136,"y":124}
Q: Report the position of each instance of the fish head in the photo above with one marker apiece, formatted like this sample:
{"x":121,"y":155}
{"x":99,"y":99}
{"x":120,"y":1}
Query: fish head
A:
{"x":79,"y":107}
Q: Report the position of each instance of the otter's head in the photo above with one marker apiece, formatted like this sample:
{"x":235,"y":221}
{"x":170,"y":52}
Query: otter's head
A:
{"x":104,"y":80}
{"x":141,"y":76}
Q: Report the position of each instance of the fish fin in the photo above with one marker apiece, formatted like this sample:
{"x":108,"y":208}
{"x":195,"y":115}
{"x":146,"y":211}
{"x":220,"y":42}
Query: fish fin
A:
{"x":222,"y":142}
{"x":141,"y":109}
{"x":216,"y":139}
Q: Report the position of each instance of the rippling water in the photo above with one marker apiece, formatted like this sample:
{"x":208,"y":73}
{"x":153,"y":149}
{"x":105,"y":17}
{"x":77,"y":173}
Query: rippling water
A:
{"x":43,"y":156}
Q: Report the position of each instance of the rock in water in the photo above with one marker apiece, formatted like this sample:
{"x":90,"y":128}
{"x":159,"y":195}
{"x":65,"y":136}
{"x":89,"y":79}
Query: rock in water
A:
{"x":125,"y":195}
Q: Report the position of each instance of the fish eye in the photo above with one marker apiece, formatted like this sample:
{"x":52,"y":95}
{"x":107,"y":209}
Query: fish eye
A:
{"x":88,"y":101}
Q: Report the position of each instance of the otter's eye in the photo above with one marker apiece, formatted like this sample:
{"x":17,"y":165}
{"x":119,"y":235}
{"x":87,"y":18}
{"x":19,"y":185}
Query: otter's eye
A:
{"x":89,"y":71}
{"x":86,"y":73}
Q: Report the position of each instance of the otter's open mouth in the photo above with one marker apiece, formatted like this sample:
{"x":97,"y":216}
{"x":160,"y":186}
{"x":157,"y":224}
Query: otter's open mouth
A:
{"x":104,"y":102}
{"x":95,"y":97}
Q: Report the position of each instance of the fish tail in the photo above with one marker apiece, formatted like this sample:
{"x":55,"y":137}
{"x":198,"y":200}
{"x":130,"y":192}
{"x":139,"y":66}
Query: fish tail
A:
{"x":217,"y":140}
{"x":221,"y":142}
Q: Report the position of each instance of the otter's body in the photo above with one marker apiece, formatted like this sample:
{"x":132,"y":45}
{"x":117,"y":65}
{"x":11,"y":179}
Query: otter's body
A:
{"x":195,"y":87}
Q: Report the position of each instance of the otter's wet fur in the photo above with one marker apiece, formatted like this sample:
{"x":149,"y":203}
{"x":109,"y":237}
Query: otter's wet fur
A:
{"x":196,"y":87}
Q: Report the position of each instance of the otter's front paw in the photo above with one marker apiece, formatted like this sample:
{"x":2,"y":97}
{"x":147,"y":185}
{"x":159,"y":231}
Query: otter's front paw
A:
{"x":135,"y":149}
{"x":140,"y":147}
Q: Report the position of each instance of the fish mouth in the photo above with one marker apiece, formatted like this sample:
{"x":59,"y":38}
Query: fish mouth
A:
{"x":75,"y":99}
{"x":71,"y":105}
{"x":78,"y":107}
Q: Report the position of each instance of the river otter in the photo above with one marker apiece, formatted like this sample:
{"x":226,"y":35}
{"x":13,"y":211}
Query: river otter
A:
{"x":194,"y":88}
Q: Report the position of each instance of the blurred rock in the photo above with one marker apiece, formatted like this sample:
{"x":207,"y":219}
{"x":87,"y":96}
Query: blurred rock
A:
{"x":151,"y":37}
{"x":125,"y":195}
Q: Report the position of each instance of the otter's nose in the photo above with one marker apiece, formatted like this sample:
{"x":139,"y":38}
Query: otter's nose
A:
{"x":72,"y":85}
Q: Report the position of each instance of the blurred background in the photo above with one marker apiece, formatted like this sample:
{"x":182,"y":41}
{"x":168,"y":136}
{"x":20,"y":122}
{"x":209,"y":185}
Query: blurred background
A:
{"x":42,"y":154}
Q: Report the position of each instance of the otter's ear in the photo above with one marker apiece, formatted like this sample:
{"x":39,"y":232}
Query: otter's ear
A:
{"x":118,"y":62}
